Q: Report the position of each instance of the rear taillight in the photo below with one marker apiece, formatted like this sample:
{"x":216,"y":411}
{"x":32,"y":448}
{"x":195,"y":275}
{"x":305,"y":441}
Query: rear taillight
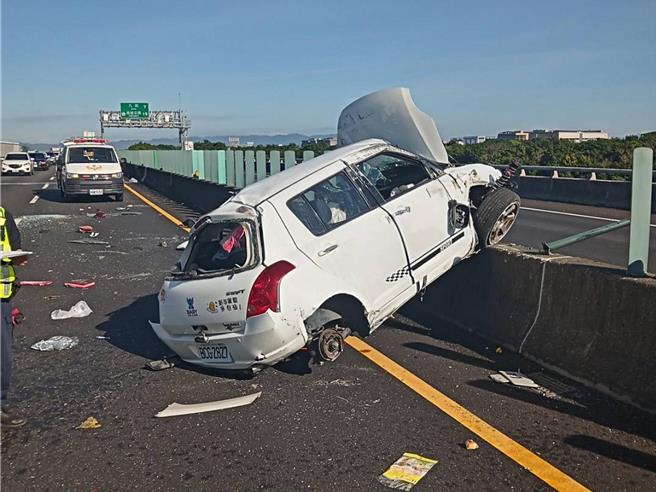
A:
{"x":264,"y":294}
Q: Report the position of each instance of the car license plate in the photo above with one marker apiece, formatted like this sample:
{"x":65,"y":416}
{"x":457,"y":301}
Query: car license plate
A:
{"x":215,"y":353}
{"x":95,"y":192}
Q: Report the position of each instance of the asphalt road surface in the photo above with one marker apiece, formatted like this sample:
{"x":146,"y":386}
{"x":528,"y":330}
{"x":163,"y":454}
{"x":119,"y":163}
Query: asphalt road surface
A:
{"x":332,"y":427}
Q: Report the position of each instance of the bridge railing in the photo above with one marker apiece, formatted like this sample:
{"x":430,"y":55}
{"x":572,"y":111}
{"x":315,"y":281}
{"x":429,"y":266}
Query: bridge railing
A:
{"x":577,"y":172}
{"x":236,"y":168}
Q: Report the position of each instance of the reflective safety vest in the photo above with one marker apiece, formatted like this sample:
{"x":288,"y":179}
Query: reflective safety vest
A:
{"x":7,"y":275}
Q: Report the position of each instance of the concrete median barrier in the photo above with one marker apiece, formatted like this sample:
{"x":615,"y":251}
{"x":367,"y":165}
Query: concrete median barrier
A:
{"x":197,"y":194}
{"x":577,"y":317}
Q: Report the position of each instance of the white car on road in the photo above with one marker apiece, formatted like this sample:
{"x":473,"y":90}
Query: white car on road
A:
{"x":17,"y":163}
{"x":334,"y":245}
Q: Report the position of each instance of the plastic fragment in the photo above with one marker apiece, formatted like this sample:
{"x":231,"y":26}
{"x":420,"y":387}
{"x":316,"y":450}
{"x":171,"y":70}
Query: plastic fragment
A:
{"x":518,"y":379}
{"x":17,"y":317}
{"x":89,"y":241}
{"x":37,"y":283}
{"x":406,"y":472}
{"x":163,"y":244}
{"x":182,"y":245}
{"x":132,"y":180}
{"x":57,"y":342}
{"x":79,"y":310}
{"x":470,"y":444}
{"x":85,"y":229}
{"x":90,"y":423}
{"x":100,"y":214}
{"x":80,"y":284}
{"x":175,"y":409}
{"x":161,"y":364}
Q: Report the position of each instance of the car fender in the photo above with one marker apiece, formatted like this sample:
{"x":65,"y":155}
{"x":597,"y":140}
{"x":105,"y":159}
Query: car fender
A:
{"x":474,"y":174}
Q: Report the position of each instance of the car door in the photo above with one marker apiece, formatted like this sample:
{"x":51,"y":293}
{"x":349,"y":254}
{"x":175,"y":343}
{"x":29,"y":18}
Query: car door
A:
{"x":346,"y":234}
{"x":413,"y":195}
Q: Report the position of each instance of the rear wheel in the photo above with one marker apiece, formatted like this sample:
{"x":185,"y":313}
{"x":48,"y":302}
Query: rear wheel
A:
{"x":495,"y":216}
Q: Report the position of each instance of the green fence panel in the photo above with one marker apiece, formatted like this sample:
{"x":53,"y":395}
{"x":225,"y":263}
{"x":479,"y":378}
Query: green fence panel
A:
{"x":221,"y":163}
{"x":260,"y":171}
{"x":211,"y":165}
{"x":239,"y":169}
{"x":197,"y":164}
{"x":249,"y":164}
{"x":274,"y":159}
{"x":290,"y":158}
{"x":146,"y":157}
{"x":307,"y":155}
{"x":231,"y":179}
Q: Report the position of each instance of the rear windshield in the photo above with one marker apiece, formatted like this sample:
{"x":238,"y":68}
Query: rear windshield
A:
{"x":224,"y":246}
{"x":38,"y":156}
{"x":83,"y":155}
{"x":16,"y":157}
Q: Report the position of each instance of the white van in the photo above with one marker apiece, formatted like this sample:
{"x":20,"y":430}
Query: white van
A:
{"x":333,"y":245}
{"x":89,"y":166}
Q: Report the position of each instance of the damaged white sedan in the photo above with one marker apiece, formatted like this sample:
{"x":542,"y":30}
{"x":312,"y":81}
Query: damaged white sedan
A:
{"x":335,"y":245}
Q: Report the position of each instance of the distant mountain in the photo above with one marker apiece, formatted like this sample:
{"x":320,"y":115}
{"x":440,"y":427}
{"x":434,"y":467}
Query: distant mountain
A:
{"x":256,"y":139}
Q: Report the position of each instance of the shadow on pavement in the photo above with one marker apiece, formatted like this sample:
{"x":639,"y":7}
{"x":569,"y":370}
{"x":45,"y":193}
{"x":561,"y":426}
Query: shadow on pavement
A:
{"x":613,"y":451}
{"x":586,"y":404}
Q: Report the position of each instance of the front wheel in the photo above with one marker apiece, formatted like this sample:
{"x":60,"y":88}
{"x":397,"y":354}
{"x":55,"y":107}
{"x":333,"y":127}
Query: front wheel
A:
{"x":495,"y":216}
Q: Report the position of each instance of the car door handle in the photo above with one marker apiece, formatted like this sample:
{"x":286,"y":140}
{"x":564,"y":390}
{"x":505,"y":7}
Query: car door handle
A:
{"x":403,"y":210}
{"x":330,"y":248}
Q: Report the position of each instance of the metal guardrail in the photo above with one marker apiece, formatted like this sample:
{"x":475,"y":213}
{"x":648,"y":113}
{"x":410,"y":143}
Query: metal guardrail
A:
{"x":577,"y":169}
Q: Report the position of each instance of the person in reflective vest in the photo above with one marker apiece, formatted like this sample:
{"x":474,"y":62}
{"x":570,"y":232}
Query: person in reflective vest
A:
{"x":11,"y":241}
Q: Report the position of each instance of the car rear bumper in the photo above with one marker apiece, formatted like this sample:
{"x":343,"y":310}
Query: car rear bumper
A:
{"x":265,"y":340}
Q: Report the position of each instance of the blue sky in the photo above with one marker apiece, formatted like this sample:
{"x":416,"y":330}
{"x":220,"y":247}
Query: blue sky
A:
{"x":278,"y":67}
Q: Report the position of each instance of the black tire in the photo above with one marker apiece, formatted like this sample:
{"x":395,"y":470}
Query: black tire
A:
{"x":495,"y":216}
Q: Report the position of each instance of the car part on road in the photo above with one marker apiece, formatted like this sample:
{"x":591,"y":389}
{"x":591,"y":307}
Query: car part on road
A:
{"x":36,"y":283}
{"x":182,"y":245}
{"x":57,"y":342}
{"x":175,"y":409}
{"x":80,"y":284}
{"x":79,"y":310}
{"x":17,"y":317}
{"x":86,"y":229}
{"x":161,"y":364}
{"x":90,"y":423}
{"x":518,"y":379}
{"x":495,"y":216}
{"x":89,"y":241}
{"x":471,"y":445}
{"x":406,"y":472}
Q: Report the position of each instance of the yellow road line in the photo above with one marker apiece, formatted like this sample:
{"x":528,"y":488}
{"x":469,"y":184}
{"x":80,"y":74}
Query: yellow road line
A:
{"x":157,"y":208}
{"x":515,"y":451}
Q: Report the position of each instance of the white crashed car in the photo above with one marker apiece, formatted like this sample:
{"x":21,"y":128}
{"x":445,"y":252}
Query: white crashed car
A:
{"x":334,"y":245}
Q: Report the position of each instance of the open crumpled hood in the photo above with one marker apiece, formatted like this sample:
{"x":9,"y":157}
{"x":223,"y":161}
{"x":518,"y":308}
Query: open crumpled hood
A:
{"x":391,"y":114}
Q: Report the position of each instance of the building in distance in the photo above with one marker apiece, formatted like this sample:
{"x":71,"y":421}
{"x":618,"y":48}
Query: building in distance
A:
{"x":331,"y":141}
{"x":513,"y":135}
{"x":572,"y":135}
{"x":475,"y":139}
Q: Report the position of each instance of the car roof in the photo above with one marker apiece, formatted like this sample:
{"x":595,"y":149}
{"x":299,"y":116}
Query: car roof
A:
{"x":262,"y":190}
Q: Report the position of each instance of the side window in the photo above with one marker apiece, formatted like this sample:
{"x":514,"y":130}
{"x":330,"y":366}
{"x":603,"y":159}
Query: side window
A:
{"x":328,"y":204}
{"x":393,"y":175}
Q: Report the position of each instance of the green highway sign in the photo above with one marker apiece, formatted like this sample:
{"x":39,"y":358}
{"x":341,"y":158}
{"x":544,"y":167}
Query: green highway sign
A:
{"x":134,"y":111}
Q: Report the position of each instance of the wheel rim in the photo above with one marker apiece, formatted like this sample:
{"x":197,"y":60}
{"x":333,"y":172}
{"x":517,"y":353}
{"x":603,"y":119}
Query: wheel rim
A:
{"x":503,"y":223}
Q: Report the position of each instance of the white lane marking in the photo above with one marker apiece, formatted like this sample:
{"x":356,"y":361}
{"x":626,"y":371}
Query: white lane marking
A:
{"x":25,"y":183}
{"x":45,"y":186}
{"x":34,"y":200}
{"x":52,"y":178}
{"x":570,"y":214}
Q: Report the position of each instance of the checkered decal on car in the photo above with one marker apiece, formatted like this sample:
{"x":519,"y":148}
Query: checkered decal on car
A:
{"x":399,"y":274}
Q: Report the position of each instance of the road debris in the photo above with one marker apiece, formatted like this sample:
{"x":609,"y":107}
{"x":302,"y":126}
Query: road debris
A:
{"x":89,"y":241}
{"x":471,"y":445}
{"x":132,"y":180}
{"x":58,"y":342}
{"x":182,"y":246}
{"x":131,"y":213}
{"x":100,"y":214}
{"x":163,"y":244}
{"x":514,"y":378}
{"x":36,"y":283}
{"x":80,"y":284}
{"x":161,"y":364}
{"x":406,"y":472}
{"x":175,"y":409}
{"x":90,"y":423}
{"x":86,"y":229}
{"x":17,"y":317}
{"x":103,"y":337}
{"x":79,"y":310}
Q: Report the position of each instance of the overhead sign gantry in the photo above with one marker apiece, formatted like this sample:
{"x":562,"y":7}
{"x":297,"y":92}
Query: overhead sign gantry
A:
{"x":138,"y":115}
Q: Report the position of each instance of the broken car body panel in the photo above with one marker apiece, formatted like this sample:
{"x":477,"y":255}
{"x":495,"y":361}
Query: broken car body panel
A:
{"x":358,"y":231}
